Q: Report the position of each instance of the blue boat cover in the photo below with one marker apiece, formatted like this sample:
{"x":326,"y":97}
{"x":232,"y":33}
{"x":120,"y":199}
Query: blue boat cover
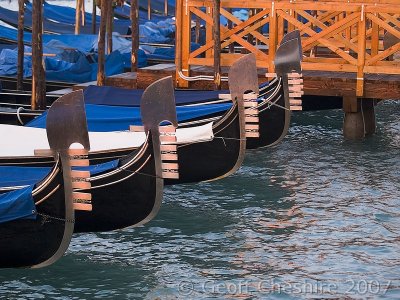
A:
{"x":22,"y":176}
{"x":8,"y":62}
{"x":17,"y":204}
{"x":64,"y":14}
{"x":102,"y":118}
{"x":67,"y":65}
{"x":107,"y":95}
{"x":157,"y":5}
{"x":11,"y":17}
{"x":12,"y":176}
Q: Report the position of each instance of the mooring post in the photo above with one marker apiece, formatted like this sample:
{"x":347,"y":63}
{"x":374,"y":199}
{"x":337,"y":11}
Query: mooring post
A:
{"x":134,"y":34}
{"x":78,"y":17}
{"x":359,"y":117}
{"x":217,"y":44}
{"x":38,"y":100}
{"x":101,"y":45}
{"x":94,"y":17}
{"x":20,"y":66}
{"x":83,"y":12}
{"x":109,"y":30}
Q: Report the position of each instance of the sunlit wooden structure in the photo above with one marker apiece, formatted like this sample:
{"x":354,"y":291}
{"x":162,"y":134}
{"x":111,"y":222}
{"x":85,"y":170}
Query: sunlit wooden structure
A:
{"x":337,"y":35}
{"x":343,"y":49}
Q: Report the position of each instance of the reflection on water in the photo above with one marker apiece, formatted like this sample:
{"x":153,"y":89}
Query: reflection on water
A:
{"x":315,"y":216}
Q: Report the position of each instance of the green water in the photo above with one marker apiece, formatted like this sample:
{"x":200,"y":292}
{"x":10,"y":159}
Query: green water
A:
{"x":315,"y":217}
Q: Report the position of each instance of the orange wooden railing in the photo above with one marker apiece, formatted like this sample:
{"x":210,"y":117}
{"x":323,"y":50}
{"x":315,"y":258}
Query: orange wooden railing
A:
{"x":337,"y":36}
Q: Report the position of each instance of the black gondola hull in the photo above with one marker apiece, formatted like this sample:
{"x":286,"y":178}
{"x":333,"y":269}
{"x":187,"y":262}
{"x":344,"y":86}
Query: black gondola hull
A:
{"x":26,"y":243}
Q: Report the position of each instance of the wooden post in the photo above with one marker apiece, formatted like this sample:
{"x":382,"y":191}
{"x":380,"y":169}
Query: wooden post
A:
{"x":375,"y":39}
{"x":166,"y":7}
{"x":101,"y":79}
{"x":38,"y":100}
{"x":149,"y":9}
{"x":20,"y":67}
{"x":273,"y":37}
{"x":78,"y":17}
{"x":197,"y":30}
{"x":135,"y":34}
{"x":361,"y":54}
{"x":110,"y":17}
{"x":250,"y":37}
{"x":183,"y":42}
{"x":83,"y":12}
{"x":217,"y":44}
{"x":94,"y":17}
{"x":359,"y":117}
{"x":230,"y":26}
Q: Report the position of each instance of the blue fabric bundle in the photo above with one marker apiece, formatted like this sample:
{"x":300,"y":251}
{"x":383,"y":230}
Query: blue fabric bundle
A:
{"x":108,"y":95}
{"x":8,"y":62}
{"x":102,"y":118}
{"x":17,"y":205}
{"x":22,"y":176}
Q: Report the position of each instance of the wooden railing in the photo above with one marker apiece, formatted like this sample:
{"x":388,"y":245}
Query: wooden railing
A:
{"x":337,"y":36}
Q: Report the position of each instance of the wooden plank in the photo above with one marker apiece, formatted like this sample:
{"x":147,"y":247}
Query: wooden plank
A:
{"x":361,"y":55}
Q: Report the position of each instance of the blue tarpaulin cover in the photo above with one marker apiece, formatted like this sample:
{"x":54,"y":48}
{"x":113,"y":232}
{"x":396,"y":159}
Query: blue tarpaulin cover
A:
{"x":16,"y":176}
{"x":102,"y":118}
{"x":21,"y":176}
{"x":67,"y":65}
{"x":17,"y":204}
{"x":107,"y":95}
{"x":11,"y":17}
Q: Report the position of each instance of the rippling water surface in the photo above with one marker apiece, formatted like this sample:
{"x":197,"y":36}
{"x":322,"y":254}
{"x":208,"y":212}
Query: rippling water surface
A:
{"x":316,"y":216}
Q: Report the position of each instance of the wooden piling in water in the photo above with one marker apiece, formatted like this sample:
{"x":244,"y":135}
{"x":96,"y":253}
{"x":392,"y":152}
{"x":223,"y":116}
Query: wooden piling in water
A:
{"x":109,"y":25}
{"x":217,"y":44}
{"x":134,"y":34}
{"x":38,"y":100}
{"x":101,"y":45}
{"x":78,"y":15}
{"x":20,"y":63}
{"x":94,"y":17}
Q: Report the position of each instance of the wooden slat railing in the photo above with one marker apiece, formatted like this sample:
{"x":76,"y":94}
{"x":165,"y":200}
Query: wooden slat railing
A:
{"x":337,"y":36}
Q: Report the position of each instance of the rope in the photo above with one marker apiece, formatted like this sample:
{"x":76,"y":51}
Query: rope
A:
{"x":18,"y":115}
{"x":45,"y":217}
{"x":199,"y":77}
{"x":362,"y":114}
{"x":270,"y":104}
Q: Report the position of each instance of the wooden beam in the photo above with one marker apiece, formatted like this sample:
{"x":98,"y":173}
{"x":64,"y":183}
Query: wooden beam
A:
{"x":135,"y":34}
{"x":94,"y":22}
{"x":101,"y":78}
{"x":109,"y":25}
{"x":38,"y":76}
{"x":20,"y":64}
{"x":78,"y":15}
{"x":217,"y":43}
{"x":362,"y":27}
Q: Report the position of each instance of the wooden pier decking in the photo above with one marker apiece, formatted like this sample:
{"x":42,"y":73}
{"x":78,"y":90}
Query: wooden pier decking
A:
{"x":321,"y":83}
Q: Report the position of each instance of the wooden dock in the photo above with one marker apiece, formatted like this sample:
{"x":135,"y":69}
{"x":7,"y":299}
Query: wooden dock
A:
{"x":320,"y":83}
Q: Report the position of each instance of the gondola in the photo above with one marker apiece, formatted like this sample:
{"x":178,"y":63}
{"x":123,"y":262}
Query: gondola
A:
{"x":9,"y":85}
{"x":128,"y":191}
{"x":37,"y":221}
{"x":219,"y":146}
